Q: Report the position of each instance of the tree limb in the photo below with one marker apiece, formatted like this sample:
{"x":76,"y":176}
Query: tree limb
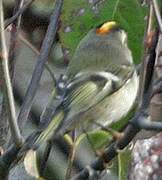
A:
{"x":10,"y":99}
{"x":41,"y":60}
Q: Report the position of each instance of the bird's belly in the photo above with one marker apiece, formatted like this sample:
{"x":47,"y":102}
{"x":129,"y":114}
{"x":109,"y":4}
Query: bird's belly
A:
{"x":112,"y":108}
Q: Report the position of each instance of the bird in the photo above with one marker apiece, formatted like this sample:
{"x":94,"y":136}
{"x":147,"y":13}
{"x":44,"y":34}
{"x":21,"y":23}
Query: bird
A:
{"x":100,"y":85}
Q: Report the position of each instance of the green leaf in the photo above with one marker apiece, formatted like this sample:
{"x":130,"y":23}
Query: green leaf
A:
{"x":30,"y":164}
{"x":68,"y":139}
{"x":129,"y":14}
{"x":124,"y":158}
{"x":96,"y":138}
{"x":122,"y":122}
{"x":78,"y":17}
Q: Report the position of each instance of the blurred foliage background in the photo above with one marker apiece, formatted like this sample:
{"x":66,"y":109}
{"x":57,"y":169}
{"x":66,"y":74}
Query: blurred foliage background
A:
{"x":78,"y":17}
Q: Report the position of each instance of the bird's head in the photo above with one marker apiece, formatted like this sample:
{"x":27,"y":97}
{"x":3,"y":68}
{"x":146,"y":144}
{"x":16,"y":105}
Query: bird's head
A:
{"x":111,"y":30}
{"x":103,"y":45}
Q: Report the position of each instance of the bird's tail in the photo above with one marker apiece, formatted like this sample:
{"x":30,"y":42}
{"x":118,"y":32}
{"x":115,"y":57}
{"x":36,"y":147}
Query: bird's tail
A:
{"x":49,"y":131}
{"x":39,"y":137}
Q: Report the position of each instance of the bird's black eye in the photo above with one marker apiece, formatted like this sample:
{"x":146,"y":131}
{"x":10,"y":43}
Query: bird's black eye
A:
{"x":117,"y":28}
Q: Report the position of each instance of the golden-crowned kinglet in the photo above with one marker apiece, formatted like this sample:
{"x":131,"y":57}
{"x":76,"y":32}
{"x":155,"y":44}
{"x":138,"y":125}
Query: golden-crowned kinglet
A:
{"x":102,"y":83}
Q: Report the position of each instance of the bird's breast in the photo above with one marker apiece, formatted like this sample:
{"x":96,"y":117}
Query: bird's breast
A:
{"x":113,"y":107}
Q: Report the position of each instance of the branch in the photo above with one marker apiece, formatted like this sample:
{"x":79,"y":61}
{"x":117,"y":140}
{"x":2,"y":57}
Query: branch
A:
{"x":44,"y":160}
{"x":150,"y":19}
{"x":36,"y":51}
{"x":17,"y":14}
{"x":13,"y":40}
{"x":150,"y":125}
{"x":148,"y":67}
{"x":10,"y":99}
{"x":157,"y":14}
{"x":156,"y":97}
{"x":113,"y":149}
{"x":42,"y":58}
{"x":150,"y":41}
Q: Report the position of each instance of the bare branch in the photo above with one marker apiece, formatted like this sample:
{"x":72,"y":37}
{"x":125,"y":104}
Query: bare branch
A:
{"x":42,"y":58}
{"x":145,"y":72}
{"x":71,"y":158}
{"x":150,"y":125}
{"x":150,"y":19}
{"x":112,"y":150}
{"x":45,"y":157}
{"x":36,"y":51}
{"x":157,"y":14}
{"x":13,"y":39}
{"x":10,"y":99}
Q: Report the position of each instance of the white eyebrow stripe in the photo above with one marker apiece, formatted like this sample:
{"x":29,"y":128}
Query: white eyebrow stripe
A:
{"x":106,"y":75}
{"x":85,"y":75}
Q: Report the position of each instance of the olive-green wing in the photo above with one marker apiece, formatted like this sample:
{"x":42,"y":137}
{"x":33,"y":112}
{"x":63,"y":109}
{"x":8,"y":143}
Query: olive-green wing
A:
{"x":87,"y":90}
{"x":82,"y":93}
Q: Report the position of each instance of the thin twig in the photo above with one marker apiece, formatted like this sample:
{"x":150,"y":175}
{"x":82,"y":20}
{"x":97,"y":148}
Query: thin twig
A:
{"x":17,"y":14}
{"x":143,"y":82}
{"x":157,"y":14}
{"x":112,"y":150}
{"x":36,"y":51}
{"x":45,"y":157}
{"x":150,"y":125}
{"x":149,"y":66}
{"x":14,"y":31}
{"x":71,"y":160}
{"x":13,"y":39}
{"x":10,"y":99}
{"x":39,"y":67}
{"x":150,"y":19}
